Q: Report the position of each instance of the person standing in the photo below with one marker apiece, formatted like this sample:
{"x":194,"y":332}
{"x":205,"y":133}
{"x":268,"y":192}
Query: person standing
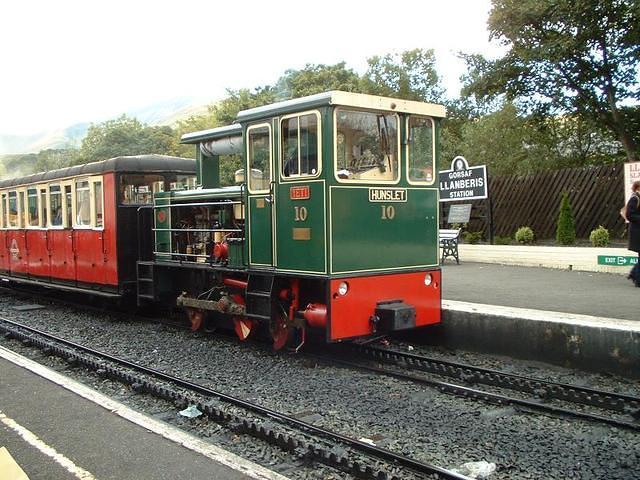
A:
{"x":633,"y":217}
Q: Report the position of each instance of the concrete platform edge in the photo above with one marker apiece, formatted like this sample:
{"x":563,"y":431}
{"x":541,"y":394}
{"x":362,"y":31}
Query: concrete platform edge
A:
{"x":165,"y":430}
{"x":583,"y":341}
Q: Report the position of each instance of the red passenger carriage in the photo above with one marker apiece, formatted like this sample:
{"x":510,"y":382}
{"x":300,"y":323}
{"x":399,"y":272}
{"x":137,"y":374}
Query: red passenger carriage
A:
{"x":77,"y":228}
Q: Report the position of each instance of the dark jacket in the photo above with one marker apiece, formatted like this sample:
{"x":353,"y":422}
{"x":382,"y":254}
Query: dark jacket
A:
{"x":633,"y":215}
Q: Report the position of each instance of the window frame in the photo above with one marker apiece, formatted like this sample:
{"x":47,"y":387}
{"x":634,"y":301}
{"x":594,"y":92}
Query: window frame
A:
{"x":27,"y":219}
{"x":407,"y":151}
{"x":335,"y":147}
{"x":74,"y":217}
{"x":9,"y":226}
{"x":50,"y":224}
{"x":91,"y":181}
{"x":94,"y":211}
{"x":248,"y":162}
{"x":318,"y":146}
{"x":3,"y":197}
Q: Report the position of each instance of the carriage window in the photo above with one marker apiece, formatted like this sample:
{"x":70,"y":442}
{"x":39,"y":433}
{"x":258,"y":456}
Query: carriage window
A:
{"x":32,"y":208}
{"x":55,"y":205}
{"x":97,"y":195}
{"x":300,"y":145}
{"x":3,"y":210}
{"x":366,"y":146}
{"x":182,"y":182}
{"x":13,"y":210}
{"x":421,"y":150}
{"x":68,"y":203}
{"x":21,"y":209}
{"x":43,"y":206}
{"x":139,"y":189}
{"x":259,"y":152}
{"x":83,"y":203}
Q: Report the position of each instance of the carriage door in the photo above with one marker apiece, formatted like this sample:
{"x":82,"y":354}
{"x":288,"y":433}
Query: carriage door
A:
{"x":300,"y":212}
{"x":260,"y":194}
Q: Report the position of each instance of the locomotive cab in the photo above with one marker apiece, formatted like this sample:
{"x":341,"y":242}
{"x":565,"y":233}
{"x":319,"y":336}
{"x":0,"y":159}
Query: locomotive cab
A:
{"x":337,"y":233}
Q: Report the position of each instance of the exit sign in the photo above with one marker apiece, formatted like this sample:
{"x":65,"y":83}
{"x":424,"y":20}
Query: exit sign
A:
{"x":617,"y":261}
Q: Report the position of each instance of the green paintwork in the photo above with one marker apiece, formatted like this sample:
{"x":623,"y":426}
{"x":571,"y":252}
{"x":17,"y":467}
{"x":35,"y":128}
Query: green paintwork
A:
{"x":347,"y":231}
{"x":208,"y":170}
{"x":301,"y":255}
{"x":162,"y":239}
{"x":260,"y":240}
{"x":363,"y":240}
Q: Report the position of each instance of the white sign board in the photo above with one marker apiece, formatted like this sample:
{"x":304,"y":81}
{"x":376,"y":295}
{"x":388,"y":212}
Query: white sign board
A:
{"x":463,"y":182}
{"x":631,"y":174}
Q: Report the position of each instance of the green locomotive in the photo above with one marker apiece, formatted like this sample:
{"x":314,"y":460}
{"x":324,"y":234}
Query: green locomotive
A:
{"x":332,"y":228}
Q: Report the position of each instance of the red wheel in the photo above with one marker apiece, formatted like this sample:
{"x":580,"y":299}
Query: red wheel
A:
{"x":196,"y":317}
{"x":280,"y":332}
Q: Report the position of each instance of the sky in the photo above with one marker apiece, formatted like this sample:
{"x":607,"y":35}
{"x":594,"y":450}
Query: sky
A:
{"x":65,"y":62}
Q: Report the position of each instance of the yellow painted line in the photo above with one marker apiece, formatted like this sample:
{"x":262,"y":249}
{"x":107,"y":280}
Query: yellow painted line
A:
{"x":51,"y":452}
{"x":9,"y":469}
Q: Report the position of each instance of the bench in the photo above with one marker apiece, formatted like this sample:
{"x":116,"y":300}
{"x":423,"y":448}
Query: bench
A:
{"x":449,"y":244}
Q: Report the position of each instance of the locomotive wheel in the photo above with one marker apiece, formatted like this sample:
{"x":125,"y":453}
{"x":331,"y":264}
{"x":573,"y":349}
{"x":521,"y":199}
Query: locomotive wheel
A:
{"x":280,"y":332}
{"x":243,"y":327}
{"x":196,"y":316}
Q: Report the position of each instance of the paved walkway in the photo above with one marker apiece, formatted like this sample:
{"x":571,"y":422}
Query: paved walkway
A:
{"x":586,"y":293}
{"x":52,"y":432}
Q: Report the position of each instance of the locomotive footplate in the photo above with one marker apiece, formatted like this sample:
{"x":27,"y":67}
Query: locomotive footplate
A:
{"x":394,"y":315}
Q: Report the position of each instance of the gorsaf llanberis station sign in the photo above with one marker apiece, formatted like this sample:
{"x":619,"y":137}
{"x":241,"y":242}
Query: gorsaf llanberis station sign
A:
{"x":463,"y":182}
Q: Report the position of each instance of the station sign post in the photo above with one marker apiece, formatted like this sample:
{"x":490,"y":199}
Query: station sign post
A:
{"x":462,"y":182}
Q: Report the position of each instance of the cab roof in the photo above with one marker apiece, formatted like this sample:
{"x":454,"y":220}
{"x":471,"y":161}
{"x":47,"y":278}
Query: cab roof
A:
{"x":334,"y":97}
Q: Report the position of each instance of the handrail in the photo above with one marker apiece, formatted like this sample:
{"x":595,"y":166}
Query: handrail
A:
{"x":202,"y":204}
{"x":232,"y":230}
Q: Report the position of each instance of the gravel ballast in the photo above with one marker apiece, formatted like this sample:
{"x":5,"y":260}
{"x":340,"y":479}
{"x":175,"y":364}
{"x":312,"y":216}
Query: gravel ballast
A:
{"x":401,"y":416}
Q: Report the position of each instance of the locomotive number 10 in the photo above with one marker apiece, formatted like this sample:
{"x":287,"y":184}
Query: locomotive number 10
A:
{"x":300,"y":214}
{"x":388,"y":212}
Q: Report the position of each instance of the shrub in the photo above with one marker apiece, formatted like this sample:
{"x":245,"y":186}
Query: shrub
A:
{"x":599,"y":237}
{"x":472,"y":237}
{"x":566,"y":230}
{"x":524,"y":235}
{"x":502,"y":240}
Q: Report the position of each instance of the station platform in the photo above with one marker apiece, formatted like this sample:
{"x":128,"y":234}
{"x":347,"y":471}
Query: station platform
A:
{"x":53,"y":427}
{"x":577,"y":318}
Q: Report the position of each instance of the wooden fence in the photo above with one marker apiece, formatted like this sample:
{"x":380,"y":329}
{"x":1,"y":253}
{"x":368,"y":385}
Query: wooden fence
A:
{"x":595,"y":193}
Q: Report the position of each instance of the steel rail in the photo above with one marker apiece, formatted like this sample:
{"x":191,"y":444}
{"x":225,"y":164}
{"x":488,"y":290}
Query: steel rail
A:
{"x":363,"y":447}
{"x":546,"y":389}
{"x":481,"y":394}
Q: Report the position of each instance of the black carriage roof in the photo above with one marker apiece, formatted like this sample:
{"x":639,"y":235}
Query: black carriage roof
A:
{"x":131,"y":164}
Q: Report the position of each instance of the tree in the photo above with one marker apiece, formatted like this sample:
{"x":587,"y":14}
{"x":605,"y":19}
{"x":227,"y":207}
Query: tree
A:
{"x":566,"y":228}
{"x":410,"y":75}
{"x":125,"y":136}
{"x":565,"y":56}
{"x":316,"y":79}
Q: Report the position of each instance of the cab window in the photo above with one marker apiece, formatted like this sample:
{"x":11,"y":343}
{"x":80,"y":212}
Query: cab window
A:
{"x":300,"y":146}
{"x":366,"y":146}
{"x":83,"y":204}
{"x":421,"y":152}
{"x":139,"y":189}
{"x":259,"y":153}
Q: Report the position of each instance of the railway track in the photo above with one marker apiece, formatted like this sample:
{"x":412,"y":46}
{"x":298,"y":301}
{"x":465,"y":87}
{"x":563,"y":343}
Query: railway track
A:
{"x":360,"y":459}
{"x":412,"y":367}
